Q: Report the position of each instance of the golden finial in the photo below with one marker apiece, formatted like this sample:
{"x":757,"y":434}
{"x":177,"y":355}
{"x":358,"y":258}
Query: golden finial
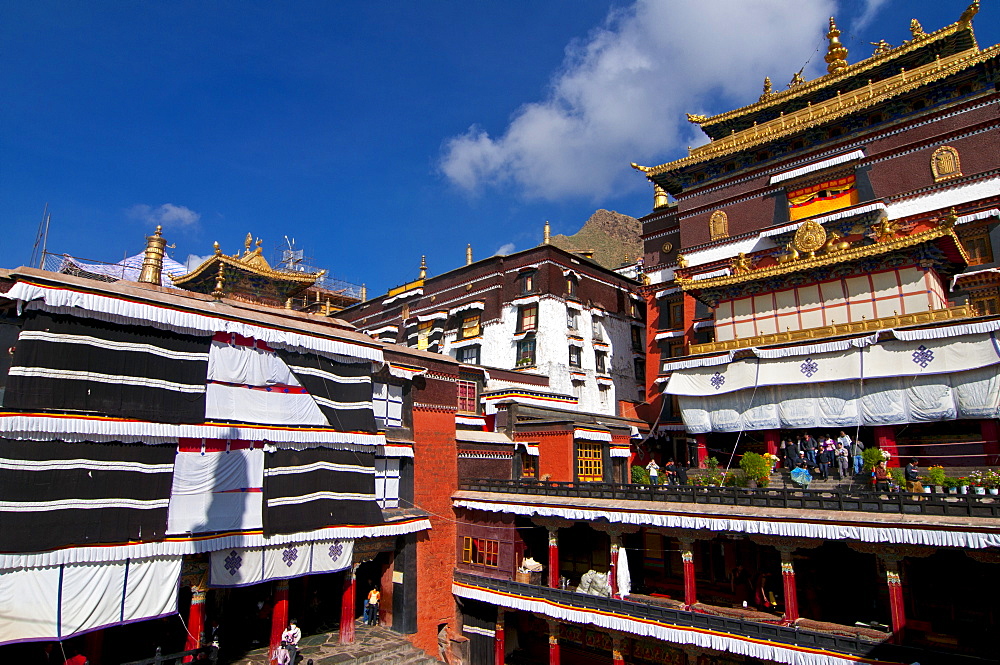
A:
{"x":836,"y":53}
{"x":423,"y":267}
{"x":797,"y":79}
{"x":881,"y":47}
{"x":259,"y":242}
{"x":948,"y":221}
{"x":364,"y":293}
{"x":220,"y":280}
{"x":659,"y":196}
{"x":248,"y":242}
{"x":545,"y":233}
{"x":645,"y":169}
{"x":764,"y":96}
{"x":966,"y":18}
{"x":468,"y":255}
{"x":215,"y":246}
{"x":916,"y":30}
{"x":695,"y":119}
{"x":152,"y":260}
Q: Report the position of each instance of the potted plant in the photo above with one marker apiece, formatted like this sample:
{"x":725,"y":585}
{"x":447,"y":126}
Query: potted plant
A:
{"x":935,"y":476}
{"x":898,"y":477}
{"x":950,"y":485}
{"x":963,"y":485}
{"x":757,"y":468}
{"x":639,"y":475}
{"x":977,"y":481}
{"x":872,"y":456}
{"x":993,"y":482}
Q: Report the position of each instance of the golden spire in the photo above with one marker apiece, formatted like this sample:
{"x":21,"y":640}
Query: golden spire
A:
{"x":659,"y":196}
{"x":423,"y":267}
{"x":364,"y":293}
{"x":966,"y":18}
{"x":220,"y":280}
{"x":152,"y":261}
{"x":545,"y":235}
{"x":468,"y":255}
{"x":916,"y":30}
{"x":248,"y":242}
{"x":767,"y":89}
{"x":836,"y":53}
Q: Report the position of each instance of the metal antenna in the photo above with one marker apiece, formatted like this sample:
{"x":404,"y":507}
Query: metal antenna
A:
{"x":40,"y":239}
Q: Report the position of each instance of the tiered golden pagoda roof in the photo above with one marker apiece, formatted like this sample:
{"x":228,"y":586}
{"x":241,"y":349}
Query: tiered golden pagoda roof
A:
{"x":845,"y":89}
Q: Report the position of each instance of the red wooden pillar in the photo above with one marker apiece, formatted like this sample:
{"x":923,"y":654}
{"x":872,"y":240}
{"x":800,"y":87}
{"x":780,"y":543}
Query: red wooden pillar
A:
{"x":616,"y":650}
{"x":347,"y":600}
{"x":613,"y":571}
{"x":991,"y":441}
{"x":788,"y":581}
{"x":553,"y":557}
{"x":687,"y":557}
{"x":553,"y":642}
{"x":896,"y":607}
{"x":885,"y":439}
{"x":279,"y":616}
{"x":771,"y":439}
{"x":498,"y":643}
{"x":93,"y":646}
{"x":195,"y":622}
{"x":702,"y":440}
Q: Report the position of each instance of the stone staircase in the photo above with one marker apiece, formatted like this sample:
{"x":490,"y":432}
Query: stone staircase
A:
{"x":372,"y":644}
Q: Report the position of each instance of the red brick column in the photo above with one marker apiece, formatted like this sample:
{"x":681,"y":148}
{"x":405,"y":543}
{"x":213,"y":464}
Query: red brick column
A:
{"x":279,"y":616}
{"x":553,"y":642}
{"x":885,"y":439}
{"x":896,"y":607}
{"x":991,"y":441}
{"x":788,"y":580}
{"x":687,"y":558}
{"x":616,"y":650}
{"x":498,"y":643}
{"x":613,"y":570}
{"x":347,"y":600}
{"x":196,"y":622}
{"x":93,"y":646}
{"x":702,"y":449}
{"x":553,"y":557}
{"x":771,"y":439}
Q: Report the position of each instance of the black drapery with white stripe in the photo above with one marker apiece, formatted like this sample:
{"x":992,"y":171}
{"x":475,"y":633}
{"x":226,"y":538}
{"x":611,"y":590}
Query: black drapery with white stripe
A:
{"x":479,"y":622}
{"x":56,"y":494}
{"x":66,"y":363}
{"x":317,"y":488}
{"x":342,"y":390}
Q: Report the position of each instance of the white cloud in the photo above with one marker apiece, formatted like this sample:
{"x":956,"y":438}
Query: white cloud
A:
{"x":505,"y":249}
{"x":193,"y":261}
{"x":622,"y":93}
{"x":167,"y":215}
{"x":872,"y":7}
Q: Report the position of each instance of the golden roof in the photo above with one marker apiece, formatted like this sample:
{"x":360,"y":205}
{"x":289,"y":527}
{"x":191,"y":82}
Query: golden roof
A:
{"x":251,"y":261}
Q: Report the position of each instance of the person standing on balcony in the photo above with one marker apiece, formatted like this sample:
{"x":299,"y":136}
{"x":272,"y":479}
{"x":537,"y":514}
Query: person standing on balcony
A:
{"x":843,"y":461}
{"x":881,"y":477}
{"x":654,"y":471}
{"x":912,"y":476}
{"x":671,"y":472}
{"x":856,"y":448}
{"x":825,"y":458}
{"x":809,"y":447}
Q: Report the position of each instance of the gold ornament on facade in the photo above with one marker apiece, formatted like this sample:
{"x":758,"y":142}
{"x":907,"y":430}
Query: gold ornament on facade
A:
{"x":693,"y":118}
{"x":797,"y":80}
{"x":835,"y":243}
{"x":945,"y":163}
{"x":881,"y":47}
{"x":667,"y":247}
{"x":916,"y":30}
{"x":791,"y":254}
{"x":970,"y":12}
{"x":836,"y":53}
{"x":766,"y":94}
{"x":659,"y":196}
{"x":718,"y":225}
{"x":681,"y":261}
{"x":809,"y":238}
{"x":741,"y":264}
{"x":949,"y":220}
{"x":885,"y":230}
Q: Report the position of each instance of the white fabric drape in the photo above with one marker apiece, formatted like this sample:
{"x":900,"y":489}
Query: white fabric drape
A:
{"x":591,"y":435}
{"x":247,"y":365}
{"x":876,"y":534}
{"x":387,"y":482}
{"x":115,"y":310}
{"x":265,"y":407}
{"x":243,"y":566}
{"x":622,"y":574}
{"x":216,"y":491}
{"x":58,"y":602}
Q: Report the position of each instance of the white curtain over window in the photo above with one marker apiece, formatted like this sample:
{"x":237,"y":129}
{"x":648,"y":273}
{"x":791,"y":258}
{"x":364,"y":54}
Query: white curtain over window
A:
{"x":387,"y":401}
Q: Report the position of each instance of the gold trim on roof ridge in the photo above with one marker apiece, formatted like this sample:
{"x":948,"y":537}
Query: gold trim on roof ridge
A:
{"x":851,"y":70}
{"x":831,"y":109}
{"x":838,"y":256}
{"x":251,"y":261}
{"x":837,"y":329}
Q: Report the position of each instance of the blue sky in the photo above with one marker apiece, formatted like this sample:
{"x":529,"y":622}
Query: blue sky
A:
{"x":374,"y":132}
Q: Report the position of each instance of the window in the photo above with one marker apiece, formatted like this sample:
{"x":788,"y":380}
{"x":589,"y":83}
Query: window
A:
{"x":424,"y":334}
{"x":468,"y":355}
{"x":590,"y":462}
{"x":574,"y":356}
{"x":676,"y":315}
{"x":387,"y":404}
{"x":822,"y":197}
{"x":572,"y":318}
{"x":639,"y":366}
{"x":527,"y":318}
{"x":470,"y":326}
{"x":601,"y":361}
{"x":602,"y":393}
{"x":637,"y":344}
{"x":526,"y":352}
{"x":598,"y":330}
{"x":986,"y":305}
{"x":979,"y":249}
{"x":528,"y":282}
{"x":571,"y":284}
{"x":467,"y":399}
{"x":481,"y":552}
{"x":387,"y":482}
{"x":529,"y":466}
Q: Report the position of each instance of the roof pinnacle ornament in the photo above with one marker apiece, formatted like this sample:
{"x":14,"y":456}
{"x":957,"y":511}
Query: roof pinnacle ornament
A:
{"x":836,"y":53}
{"x":766,"y":94}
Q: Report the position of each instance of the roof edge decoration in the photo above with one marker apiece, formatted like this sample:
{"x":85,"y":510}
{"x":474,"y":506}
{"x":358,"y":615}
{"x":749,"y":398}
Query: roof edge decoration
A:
{"x":250,"y":261}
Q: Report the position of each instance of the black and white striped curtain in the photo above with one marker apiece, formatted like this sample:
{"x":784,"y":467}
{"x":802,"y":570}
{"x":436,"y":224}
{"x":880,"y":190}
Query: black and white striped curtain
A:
{"x":316,"y":488}
{"x":64,"y":363}
{"x":55,"y":494}
{"x":343,"y":391}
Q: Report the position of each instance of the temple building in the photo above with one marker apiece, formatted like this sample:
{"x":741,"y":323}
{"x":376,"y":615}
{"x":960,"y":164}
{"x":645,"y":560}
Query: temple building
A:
{"x":823,"y":264}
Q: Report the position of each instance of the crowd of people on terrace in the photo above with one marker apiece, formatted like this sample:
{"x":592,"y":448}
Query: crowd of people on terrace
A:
{"x":823,"y":454}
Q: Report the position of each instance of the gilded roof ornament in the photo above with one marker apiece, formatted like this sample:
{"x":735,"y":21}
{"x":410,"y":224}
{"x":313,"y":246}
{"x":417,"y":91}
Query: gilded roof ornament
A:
{"x":809,"y":238}
{"x":881,"y":47}
{"x":766,"y":94}
{"x":797,"y":80}
{"x":970,"y":12}
{"x":916,"y":30}
{"x":741,"y":264}
{"x":836,"y":53}
{"x":645,"y":169}
{"x":696,"y":118}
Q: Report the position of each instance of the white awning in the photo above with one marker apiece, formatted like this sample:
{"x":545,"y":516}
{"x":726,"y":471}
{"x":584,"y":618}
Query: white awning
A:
{"x":478,"y":304}
{"x":832,"y":217}
{"x":668,"y":334}
{"x":818,"y":166}
{"x":475,"y":436}
{"x":591,"y":434}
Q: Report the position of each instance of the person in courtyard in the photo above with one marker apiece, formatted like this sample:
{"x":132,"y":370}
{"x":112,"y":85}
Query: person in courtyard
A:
{"x":855,"y":451}
{"x":809,"y":448}
{"x":371,"y":606}
{"x":912,"y":476}
{"x":654,"y":471}
{"x":290,"y":642}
